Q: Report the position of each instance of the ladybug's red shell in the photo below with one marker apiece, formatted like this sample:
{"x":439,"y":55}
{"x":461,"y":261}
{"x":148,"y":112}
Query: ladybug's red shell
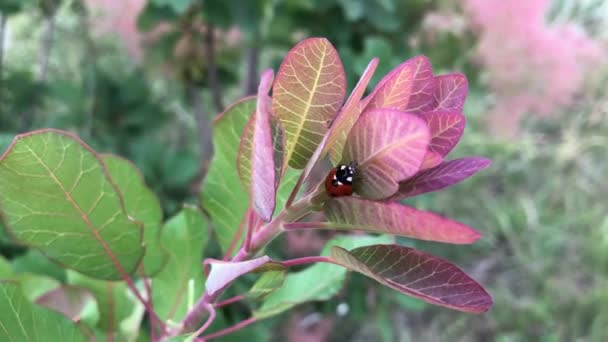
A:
{"x":339,"y":181}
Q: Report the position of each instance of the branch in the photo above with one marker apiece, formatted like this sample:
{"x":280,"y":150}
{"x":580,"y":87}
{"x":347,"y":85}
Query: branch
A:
{"x":229,"y":301}
{"x":214,"y":81}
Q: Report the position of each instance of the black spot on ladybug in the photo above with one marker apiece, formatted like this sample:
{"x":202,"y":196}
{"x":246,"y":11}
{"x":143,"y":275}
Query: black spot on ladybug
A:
{"x":339,"y":181}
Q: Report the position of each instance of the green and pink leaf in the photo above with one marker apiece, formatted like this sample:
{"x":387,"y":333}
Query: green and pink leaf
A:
{"x":416,"y":274}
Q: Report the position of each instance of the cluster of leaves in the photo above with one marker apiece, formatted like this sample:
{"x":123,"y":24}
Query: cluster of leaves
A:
{"x":93,"y":214}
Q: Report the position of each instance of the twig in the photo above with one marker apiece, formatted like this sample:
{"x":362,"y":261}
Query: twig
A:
{"x":208,"y":322}
{"x":2,"y":30}
{"x":214,"y":82}
{"x":251,"y":82}
{"x":204,"y":128}
{"x":46,"y":46}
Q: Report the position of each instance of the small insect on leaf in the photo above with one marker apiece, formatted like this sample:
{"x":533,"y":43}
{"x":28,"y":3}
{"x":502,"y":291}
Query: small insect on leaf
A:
{"x":339,"y":181}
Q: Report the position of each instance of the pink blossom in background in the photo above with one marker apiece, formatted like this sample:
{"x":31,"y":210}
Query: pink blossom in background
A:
{"x":533,"y":67}
{"x":118,"y":17}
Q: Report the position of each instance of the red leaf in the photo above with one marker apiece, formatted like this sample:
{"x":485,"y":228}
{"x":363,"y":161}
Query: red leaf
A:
{"x":451,"y":92}
{"x":409,"y":87}
{"x":388,"y":146}
{"x":394,"y":218}
{"x":446,"y":129}
{"x":446,"y":174}
{"x":431,"y":159}
{"x":417,"y":274}
{"x":263,"y":186}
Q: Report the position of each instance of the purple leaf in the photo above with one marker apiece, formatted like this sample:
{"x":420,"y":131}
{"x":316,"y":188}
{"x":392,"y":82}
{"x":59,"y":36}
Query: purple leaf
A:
{"x":388,"y":146}
{"x":307,"y":94}
{"x":408,"y":87}
{"x":68,"y":300}
{"x":354,"y":213}
{"x":417,"y":274}
{"x":223,"y":273}
{"x":446,"y":174}
{"x":451,"y":92}
{"x":263,"y":188}
{"x":446,"y":129}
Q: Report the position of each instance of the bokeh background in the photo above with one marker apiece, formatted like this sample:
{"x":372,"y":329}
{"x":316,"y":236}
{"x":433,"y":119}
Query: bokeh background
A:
{"x":144,"y":78}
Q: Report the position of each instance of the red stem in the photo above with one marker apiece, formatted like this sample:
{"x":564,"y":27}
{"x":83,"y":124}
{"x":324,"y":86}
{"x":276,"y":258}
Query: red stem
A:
{"x":251,"y":220}
{"x":208,"y":322}
{"x":306,"y":260}
{"x":310,"y":225}
{"x":148,"y":289}
{"x":231,"y":329}
{"x":229,"y":301}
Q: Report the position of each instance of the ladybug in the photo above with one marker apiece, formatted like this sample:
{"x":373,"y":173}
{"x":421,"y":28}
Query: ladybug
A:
{"x":339,"y":181}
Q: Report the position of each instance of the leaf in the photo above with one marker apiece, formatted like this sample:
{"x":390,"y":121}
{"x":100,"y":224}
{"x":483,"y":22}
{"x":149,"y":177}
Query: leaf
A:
{"x":181,"y":281}
{"x":223,"y":196}
{"x":142,"y":205}
{"x":114,"y":301}
{"x":451,"y":92}
{"x":56,"y":196}
{"x":22,"y":321}
{"x":446,"y":174}
{"x":266,"y":284}
{"x":223,"y":273}
{"x":348,"y":115}
{"x":409,"y":87}
{"x":353,"y":213}
{"x":446,"y":129}
{"x":431,"y":159}
{"x":320,"y":281}
{"x":263,"y":188}
{"x":35,"y":262}
{"x":307,"y":94}
{"x":67,"y":300}
{"x":6,"y":270}
{"x":389,"y":146}
{"x":416,"y":274}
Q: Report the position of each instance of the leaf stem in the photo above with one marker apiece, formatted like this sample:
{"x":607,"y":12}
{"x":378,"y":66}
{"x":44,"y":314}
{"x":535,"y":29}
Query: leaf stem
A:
{"x":231,"y":329}
{"x":306,"y":260}
{"x":209,"y":320}
{"x":310,"y":225}
{"x":229,"y":301}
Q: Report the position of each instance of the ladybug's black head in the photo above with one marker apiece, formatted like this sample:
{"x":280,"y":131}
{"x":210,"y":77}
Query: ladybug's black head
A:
{"x":345,"y":173}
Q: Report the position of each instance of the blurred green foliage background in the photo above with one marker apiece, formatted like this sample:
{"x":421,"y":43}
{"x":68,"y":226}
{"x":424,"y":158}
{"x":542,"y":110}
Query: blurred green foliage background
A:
{"x":144,"y":79}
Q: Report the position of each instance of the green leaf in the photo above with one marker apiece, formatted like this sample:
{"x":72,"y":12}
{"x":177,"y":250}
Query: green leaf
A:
{"x":114,"y":301}
{"x":318,"y":282}
{"x":142,"y":205}
{"x":35,"y":262}
{"x":181,"y":282}
{"x":5,"y":268}
{"x":266,"y":284}
{"x":22,"y":321}
{"x":307,"y":94}
{"x":223,"y":195}
{"x":56,"y":196}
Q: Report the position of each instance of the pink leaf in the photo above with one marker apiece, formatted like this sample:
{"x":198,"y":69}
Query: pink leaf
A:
{"x":307,"y":94}
{"x":446,"y":129}
{"x":348,"y":115}
{"x":354,"y":213}
{"x":223,"y":273}
{"x":388,"y":146}
{"x":68,"y":300}
{"x":263,"y":188}
{"x":417,"y":274}
{"x":451,"y":92}
{"x":446,"y":174}
{"x":408,"y":87}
